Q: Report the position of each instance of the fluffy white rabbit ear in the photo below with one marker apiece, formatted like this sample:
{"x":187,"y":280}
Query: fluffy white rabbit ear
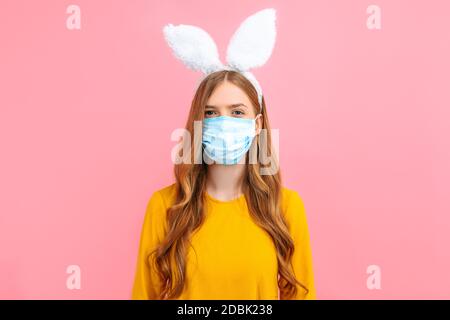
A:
{"x":252,"y":43}
{"x":193,"y":46}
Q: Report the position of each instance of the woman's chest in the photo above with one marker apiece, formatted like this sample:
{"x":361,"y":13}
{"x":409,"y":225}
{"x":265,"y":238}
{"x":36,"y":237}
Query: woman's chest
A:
{"x":231,"y":246}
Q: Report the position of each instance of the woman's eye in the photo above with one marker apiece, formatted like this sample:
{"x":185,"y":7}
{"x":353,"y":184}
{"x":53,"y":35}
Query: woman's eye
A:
{"x":209,"y":113}
{"x":238,"y":112}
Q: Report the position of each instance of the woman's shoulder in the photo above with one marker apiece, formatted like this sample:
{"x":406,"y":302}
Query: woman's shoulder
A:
{"x":158,"y":203}
{"x":155,"y":224}
{"x":291,"y":202}
{"x":288,"y":195}
{"x":165,"y":194}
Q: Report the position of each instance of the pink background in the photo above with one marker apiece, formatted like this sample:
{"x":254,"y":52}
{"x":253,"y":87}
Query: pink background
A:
{"x":86,"y":117}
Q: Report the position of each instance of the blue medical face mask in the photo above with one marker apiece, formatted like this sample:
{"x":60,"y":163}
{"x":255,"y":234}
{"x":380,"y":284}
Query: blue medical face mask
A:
{"x":226,"y":139}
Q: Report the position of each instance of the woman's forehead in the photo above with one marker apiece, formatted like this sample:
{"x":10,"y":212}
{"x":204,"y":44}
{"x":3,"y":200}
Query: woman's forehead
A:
{"x":228,"y":94}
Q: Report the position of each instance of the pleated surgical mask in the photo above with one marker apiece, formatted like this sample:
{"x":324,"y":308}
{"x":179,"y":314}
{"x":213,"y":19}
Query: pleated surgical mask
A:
{"x":226,"y":139}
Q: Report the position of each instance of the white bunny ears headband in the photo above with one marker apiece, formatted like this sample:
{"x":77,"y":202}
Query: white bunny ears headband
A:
{"x":250,"y":46}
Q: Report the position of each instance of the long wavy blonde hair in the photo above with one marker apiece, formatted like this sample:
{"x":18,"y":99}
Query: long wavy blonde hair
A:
{"x":262,"y":194}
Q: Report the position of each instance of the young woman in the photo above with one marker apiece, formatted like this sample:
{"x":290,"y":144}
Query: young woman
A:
{"x":224,"y":230}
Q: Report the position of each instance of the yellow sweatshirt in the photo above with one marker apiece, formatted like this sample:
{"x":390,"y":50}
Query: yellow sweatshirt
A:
{"x":231,"y":257}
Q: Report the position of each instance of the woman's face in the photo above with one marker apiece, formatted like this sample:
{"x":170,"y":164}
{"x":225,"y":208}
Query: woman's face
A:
{"x":228,"y":99}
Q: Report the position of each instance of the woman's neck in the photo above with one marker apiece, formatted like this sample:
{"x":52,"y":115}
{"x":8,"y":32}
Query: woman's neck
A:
{"x":224,"y":182}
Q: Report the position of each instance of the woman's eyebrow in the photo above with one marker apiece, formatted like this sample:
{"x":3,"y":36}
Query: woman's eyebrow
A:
{"x":237,"y":105}
{"x":229,"y":106}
